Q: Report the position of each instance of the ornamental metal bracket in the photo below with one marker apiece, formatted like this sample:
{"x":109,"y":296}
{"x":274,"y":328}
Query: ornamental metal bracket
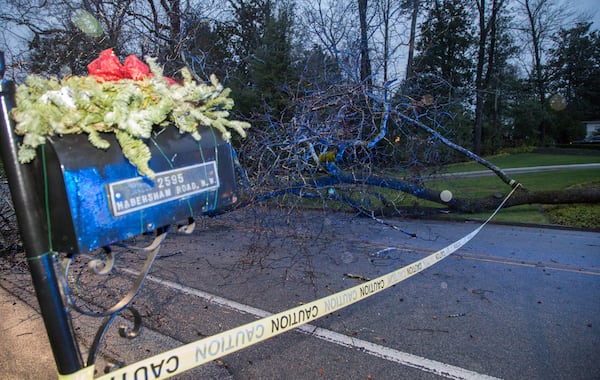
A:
{"x":101,"y":267}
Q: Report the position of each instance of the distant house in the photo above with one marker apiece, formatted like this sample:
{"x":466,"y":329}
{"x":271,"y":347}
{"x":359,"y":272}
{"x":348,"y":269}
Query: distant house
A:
{"x":592,"y":127}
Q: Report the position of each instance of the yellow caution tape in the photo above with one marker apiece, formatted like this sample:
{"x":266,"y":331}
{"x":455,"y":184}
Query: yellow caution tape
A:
{"x":191,"y":355}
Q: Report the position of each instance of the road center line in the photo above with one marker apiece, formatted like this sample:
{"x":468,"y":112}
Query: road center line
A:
{"x":409,"y":360}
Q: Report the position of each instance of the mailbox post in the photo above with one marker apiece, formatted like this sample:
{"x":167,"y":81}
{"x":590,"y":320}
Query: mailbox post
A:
{"x":75,"y":198}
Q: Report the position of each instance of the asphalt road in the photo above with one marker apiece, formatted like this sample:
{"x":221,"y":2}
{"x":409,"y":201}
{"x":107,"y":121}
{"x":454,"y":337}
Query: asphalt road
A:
{"x":514,"y":303}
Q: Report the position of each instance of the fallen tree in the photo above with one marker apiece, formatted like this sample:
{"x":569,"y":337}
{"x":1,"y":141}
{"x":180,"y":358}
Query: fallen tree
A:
{"x":345,"y":139}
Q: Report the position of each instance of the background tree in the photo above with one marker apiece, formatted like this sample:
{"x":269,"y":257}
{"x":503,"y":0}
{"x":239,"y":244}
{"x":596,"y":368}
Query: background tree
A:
{"x":574,"y":67}
{"x":206,"y":48}
{"x":272,"y":65}
{"x":365,"y":60}
{"x":445,"y":45}
{"x":58,"y":47}
{"x":501,"y":82}
{"x":539,"y":21}
{"x":261,"y":45}
{"x":489,"y":13}
{"x":63,"y":52}
{"x":333,"y":25}
{"x":166,"y":26}
{"x":412,"y":6}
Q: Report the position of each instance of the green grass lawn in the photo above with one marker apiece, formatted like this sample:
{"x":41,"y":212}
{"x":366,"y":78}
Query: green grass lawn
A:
{"x":490,"y":185}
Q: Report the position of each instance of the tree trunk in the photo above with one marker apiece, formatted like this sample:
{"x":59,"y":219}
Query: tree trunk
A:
{"x":386,"y":39}
{"x":487,"y":31}
{"x":365,"y":62}
{"x":535,"y":34}
{"x":411,"y":41}
{"x":524,"y":197}
{"x":173,"y":12}
{"x":479,"y":82}
{"x":470,"y":155}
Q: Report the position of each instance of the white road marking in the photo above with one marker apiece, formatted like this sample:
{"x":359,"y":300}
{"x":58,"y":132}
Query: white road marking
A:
{"x":409,"y":360}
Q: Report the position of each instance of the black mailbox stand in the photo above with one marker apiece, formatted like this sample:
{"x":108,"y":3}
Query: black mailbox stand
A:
{"x":34,"y":234}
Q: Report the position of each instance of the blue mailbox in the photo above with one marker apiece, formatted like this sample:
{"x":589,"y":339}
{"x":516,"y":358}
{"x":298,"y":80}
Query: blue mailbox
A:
{"x":96,"y":197}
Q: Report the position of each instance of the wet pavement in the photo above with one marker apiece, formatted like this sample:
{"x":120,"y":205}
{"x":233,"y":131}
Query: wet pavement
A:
{"x":515,"y":302}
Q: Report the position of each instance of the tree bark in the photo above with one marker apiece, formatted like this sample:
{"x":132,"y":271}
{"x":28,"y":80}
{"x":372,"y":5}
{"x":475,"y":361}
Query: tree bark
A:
{"x":487,"y":32}
{"x":365,"y":62}
{"x":524,"y":197}
{"x":479,"y":81}
{"x":411,"y":41}
{"x":386,"y":39}
{"x":539,"y":82}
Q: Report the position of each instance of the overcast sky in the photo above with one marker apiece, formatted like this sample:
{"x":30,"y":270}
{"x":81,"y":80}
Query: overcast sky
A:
{"x":588,"y":7}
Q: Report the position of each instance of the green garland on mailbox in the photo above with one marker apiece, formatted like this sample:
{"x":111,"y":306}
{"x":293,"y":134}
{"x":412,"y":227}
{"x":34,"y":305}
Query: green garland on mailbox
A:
{"x":130,"y":108}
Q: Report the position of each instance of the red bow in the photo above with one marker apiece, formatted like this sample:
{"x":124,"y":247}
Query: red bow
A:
{"x":108,"y":68}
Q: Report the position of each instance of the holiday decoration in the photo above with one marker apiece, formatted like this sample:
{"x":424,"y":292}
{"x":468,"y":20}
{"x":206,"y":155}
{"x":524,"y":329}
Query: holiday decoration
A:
{"x":131,"y":100}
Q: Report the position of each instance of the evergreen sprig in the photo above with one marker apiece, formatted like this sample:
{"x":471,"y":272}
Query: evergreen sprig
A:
{"x":129,"y":108}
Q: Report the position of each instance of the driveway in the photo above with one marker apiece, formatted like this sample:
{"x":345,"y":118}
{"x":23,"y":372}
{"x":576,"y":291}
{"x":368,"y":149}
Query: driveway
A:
{"x":532,"y":169}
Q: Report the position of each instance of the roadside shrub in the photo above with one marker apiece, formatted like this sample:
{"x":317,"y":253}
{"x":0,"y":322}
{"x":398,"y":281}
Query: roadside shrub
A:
{"x":518,"y":150}
{"x":586,"y":216}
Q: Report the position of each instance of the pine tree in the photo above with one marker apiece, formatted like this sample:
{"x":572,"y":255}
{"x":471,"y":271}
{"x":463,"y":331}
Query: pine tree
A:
{"x":271,"y":67}
{"x":262,"y":42}
{"x":575,"y":66}
{"x":445,"y":43}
